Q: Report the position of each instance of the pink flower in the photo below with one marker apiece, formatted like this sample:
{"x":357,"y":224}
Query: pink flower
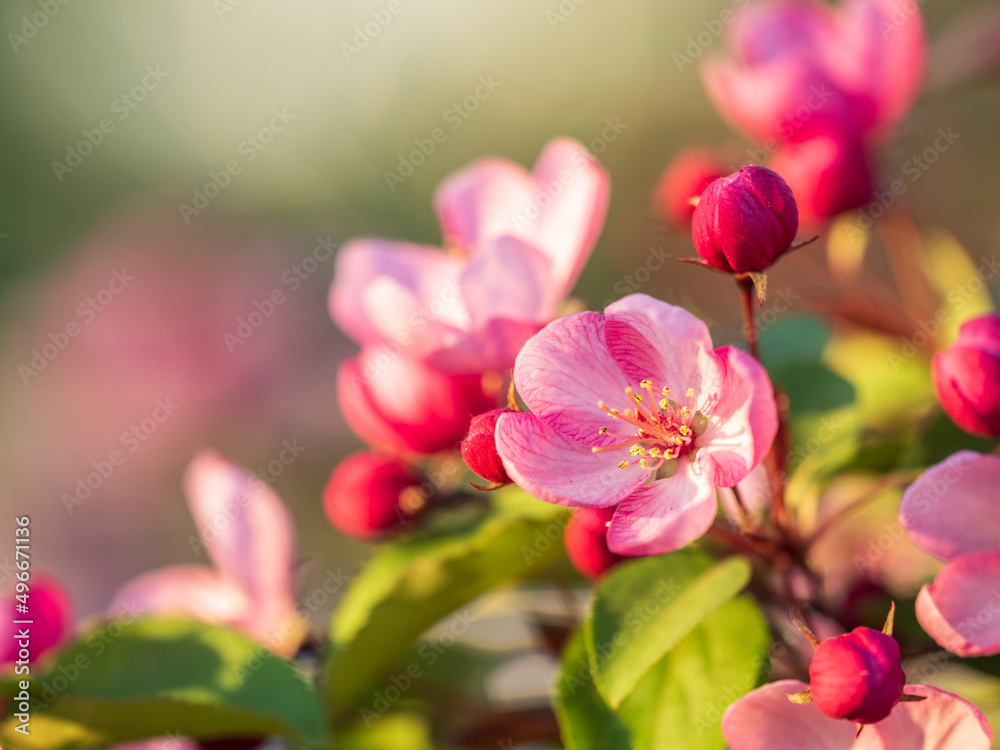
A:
{"x":967,"y":376}
{"x":951,"y":512}
{"x":801,"y":68}
{"x":517,"y":241}
{"x":249,"y":535}
{"x":365,"y":495}
{"x":635,"y":408}
{"x":765,"y":719}
{"x":683,"y":183}
{"x":745,"y":221}
{"x":801,"y":71}
{"x":51,"y":613}
{"x":405,"y":406}
{"x":586,"y":540}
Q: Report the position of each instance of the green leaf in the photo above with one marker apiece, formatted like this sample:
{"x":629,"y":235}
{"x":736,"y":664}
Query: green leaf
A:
{"x":584,"y":718}
{"x":643,"y":609}
{"x":408,"y":586}
{"x":157,"y":676}
{"x":399,"y":731}
{"x":793,"y":340}
{"x":813,"y":387}
{"x":679,"y":703}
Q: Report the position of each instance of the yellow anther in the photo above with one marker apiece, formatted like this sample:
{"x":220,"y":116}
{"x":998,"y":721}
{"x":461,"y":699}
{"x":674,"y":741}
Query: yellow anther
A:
{"x":637,"y":450}
{"x":684,"y":430}
{"x":603,"y":431}
{"x":664,"y":403}
{"x":623,"y":464}
{"x":690,"y":393}
{"x":643,"y":463}
{"x":637,"y":397}
{"x":685,"y":412}
{"x":613,"y":411}
{"x":665,"y":391}
{"x":655,"y":452}
{"x":645,"y":383}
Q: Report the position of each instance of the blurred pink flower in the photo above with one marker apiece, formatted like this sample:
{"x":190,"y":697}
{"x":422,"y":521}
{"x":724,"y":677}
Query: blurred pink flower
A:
{"x":404,"y":406}
{"x":249,"y":536}
{"x":765,"y":719}
{"x":698,"y":419}
{"x":800,"y":70}
{"x":951,"y":512}
{"x":967,"y":376}
{"x":682,"y":184}
{"x":365,"y":495}
{"x":51,"y":613}
{"x":586,"y":540}
{"x":517,"y":242}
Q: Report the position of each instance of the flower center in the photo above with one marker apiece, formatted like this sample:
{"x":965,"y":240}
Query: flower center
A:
{"x":661,"y":428}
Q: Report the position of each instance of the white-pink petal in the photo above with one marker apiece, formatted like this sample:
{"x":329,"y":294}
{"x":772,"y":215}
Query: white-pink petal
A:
{"x":559,"y":470}
{"x":961,"y":609}
{"x":941,"y":721}
{"x":765,"y":719}
{"x":665,"y":514}
{"x":248,"y":533}
{"x":952,"y":508}
{"x":193,"y":591}
{"x":743,"y":421}
{"x":564,"y":371}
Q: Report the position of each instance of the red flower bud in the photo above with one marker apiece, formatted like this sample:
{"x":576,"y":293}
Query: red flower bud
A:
{"x":745,"y":221}
{"x":685,"y":180}
{"x":405,"y":406}
{"x":586,"y":540}
{"x":857,"y":676}
{"x":828,"y":174}
{"x":369,"y":495}
{"x":479,"y":449}
{"x":967,"y":376}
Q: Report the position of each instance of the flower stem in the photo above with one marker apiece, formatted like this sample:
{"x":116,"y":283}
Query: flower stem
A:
{"x":749,"y":322}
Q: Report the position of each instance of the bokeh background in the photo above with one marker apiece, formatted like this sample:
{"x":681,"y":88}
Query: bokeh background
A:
{"x":222,"y":68}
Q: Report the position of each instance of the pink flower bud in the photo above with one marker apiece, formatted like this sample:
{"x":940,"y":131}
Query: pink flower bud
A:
{"x":967,"y":376}
{"x":745,"y":221}
{"x":828,"y":175}
{"x":857,"y":676}
{"x":52,"y":613}
{"x":405,"y":406}
{"x":586,"y":540}
{"x":684,"y":181}
{"x":369,"y":495}
{"x":479,"y":449}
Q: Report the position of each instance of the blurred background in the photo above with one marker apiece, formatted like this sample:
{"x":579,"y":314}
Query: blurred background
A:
{"x":168,"y":166}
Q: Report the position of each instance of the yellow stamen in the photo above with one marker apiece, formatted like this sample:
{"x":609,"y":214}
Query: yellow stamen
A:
{"x":637,"y":450}
{"x":643,"y":463}
{"x":603,"y":431}
{"x":623,"y":464}
{"x":685,"y":412}
{"x":665,"y":391}
{"x":690,"y":393}
{"x":637,"y":397}
{"x":645,"y":383}
{"x":655,"y":452}
{"x":664,"y":403}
